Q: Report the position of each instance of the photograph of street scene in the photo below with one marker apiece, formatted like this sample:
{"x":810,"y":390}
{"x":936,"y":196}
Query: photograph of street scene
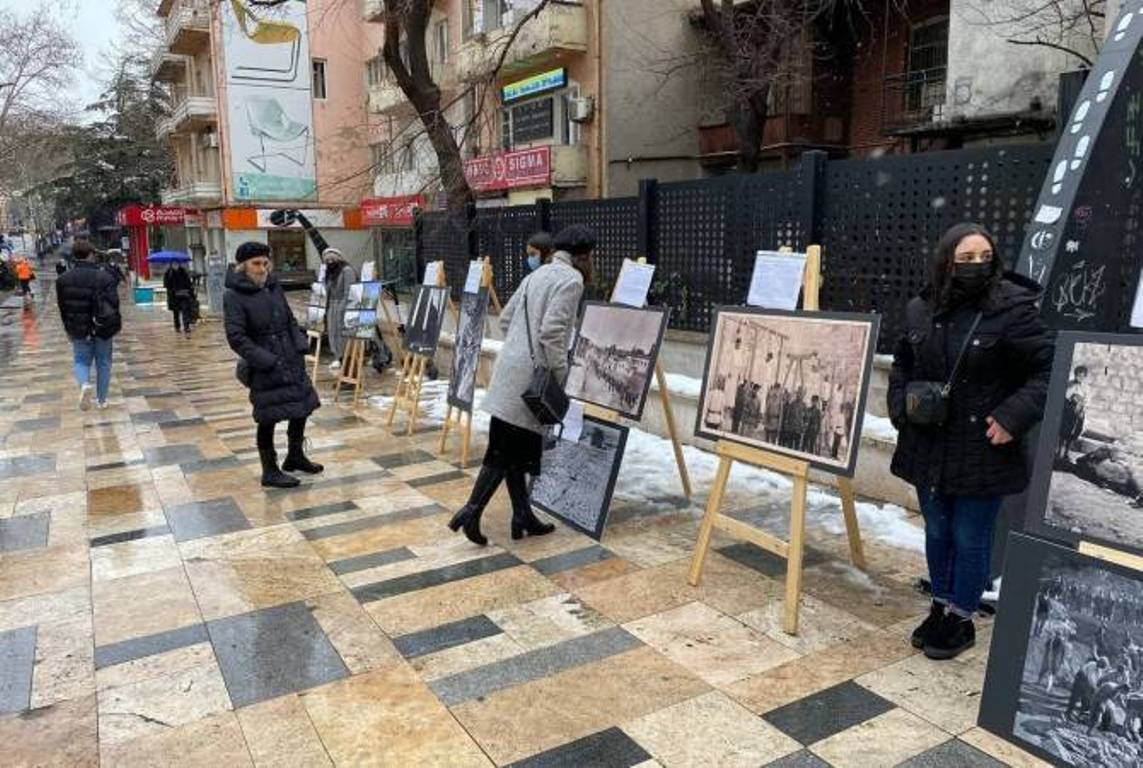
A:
{"x":577,"y":478}
{"x":466,"y":353}
{"x":614,"y":356}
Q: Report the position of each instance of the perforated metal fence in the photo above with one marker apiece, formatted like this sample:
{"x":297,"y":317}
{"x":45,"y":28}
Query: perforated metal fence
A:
{"x":503,"y":235}
{"x":445,"y":237}
{"x":615,"y":222}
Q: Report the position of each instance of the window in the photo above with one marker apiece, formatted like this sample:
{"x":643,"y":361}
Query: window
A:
{"x":482,"y":16}
{"x":377,"y":156}
{"x":375,"y":71}
{"x":440,"y":42}
{"x":928,"y":60}
{"x":319,"y":78}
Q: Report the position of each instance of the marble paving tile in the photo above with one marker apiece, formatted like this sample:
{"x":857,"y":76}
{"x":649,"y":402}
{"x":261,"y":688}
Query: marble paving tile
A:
{"x":952,"y":754}
{"x":709,"y":730}
{"x":394,"y":720}
{"x":819,"y":625}
{"x":881,"y":742}
{"x":372,"y":560}
{"x":17,"y":660}
{"x":172,"y":454}
{"x":109,"y":525}
{"x":389,"y":535}
{"x":549,"y":620}
{"x":199,"y":519}
{"x":36,"y":571}
{"x":767,"y":563}
{"x":157,"y":704}
{"x":947,"y":695}
{"x":576,"y":579}
{"x":415,"y":582}
{"x":156,"y":665}
{"x":447,"y":636}
{"x":518,"y":722}
{"x":140,"y":647}
{"x":67,"y":605}
{"x":1004,"y":751}
{"x":354,"y":635}
{"x":571,"y":560}
{"x":132,"y":535}
{"x":828,"y":712}
{"x":461,"y":658}
{"x":801,"y":759}
{"x":24,"y":532}
{"x":143,"y":605}
{"x":611,"y":747}
{"x":131,"y":558}
{"x":360,"y":523}
{"x":121,"y":499}
{"x":322,"y":510}
{"x":403,"y":459}
{"x":64,"y":668}
{"x":206,"y":743}
{"x":60,"y":734}
{"x":279,"y":732}
{"x":70,"y":502}
{"x":118,"y":478}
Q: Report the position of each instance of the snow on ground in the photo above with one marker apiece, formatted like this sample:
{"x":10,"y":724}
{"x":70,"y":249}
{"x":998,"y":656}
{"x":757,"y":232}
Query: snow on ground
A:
{"x":878,"y":428}
{"x":683,"y":386}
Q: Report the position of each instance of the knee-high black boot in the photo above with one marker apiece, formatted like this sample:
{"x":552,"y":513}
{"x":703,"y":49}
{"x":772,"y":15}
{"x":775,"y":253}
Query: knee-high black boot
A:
{"x":468,"y":516}
{"x":272,"y":477}
{"x":524,"y":520}
{"x":296,"y":460}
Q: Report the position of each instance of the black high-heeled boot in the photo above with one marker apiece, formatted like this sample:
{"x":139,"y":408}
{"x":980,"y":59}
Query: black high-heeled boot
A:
{"x":524,"y":520}
{"x":468,"y":516}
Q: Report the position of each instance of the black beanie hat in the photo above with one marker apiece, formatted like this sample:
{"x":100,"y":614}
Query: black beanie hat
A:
{"x":576,"y":239}
{"x":251,"y":250}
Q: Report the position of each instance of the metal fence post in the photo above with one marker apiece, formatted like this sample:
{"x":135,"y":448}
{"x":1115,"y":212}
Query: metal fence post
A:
{"x":544,"y":215}
{"x":648,"y":221}
{"x":811,"y":192}
{"x":418,"y":244}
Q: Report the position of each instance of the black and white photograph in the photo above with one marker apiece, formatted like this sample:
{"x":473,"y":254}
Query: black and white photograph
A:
{"x":1088,"y":482}
{"x":1065,"y":678}
{"x":425,"y":319}
{"x":577,"y":478}
{"x":315,"y":317}
{"x":466,"y":354}
{"x":789,"y":382}
{"x":614,"y":356}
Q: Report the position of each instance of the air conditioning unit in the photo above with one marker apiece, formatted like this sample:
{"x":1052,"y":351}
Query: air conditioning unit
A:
{"x":581,"y":110}
{"x":212,"y":140}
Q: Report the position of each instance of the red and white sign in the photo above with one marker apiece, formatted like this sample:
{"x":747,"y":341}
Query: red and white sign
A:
{"x":161,"y":215}
{"x":511,"y":170}
{"x":390,"y":211}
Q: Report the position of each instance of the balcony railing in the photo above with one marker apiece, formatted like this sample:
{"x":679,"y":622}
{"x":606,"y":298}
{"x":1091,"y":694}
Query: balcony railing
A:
{"x":188,"y":26}
{"x":192,"y":193}
{"x":560,"y":26}
{"x":914,"y":99}
{"x":386,"y":96}
{"x":167,"y":66}
{"x":191,"y":113}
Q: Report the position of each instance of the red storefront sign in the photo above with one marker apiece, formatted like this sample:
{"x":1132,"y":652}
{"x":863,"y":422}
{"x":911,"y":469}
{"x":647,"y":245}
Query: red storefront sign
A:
{"x":511,"y":170}
{"x":142,"y":215}
{"x":390,"y":211}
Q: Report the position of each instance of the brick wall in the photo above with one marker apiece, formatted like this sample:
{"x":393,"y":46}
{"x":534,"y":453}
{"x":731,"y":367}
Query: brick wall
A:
{"x":1115,"y":383}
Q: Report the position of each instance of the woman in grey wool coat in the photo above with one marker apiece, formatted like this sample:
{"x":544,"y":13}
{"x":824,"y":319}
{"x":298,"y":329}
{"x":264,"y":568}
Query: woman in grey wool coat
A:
{"x":551,"y":296}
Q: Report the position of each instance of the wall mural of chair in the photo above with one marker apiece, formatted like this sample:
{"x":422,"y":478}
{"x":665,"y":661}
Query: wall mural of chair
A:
{"x":270,"y":123}
{"x":266,"y":32}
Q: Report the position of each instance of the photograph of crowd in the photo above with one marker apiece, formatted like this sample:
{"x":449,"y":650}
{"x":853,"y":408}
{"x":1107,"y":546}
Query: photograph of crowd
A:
{"x":788,"y":382}
{"x":577,"y":478}
{"x":1078,"y":658}
{"x":614,"y":355}
{"x":423,"y":329}
{"x":466,"y":354}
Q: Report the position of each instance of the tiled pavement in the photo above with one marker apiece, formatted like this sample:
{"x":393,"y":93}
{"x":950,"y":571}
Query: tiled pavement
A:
{"x":158,"y":608}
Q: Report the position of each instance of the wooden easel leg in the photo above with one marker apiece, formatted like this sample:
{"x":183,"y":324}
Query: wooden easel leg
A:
{"x":794,"y":560}
{"x":444,"y":431}
{"x":852,"y":529}
{"x":466,"y":439}
{"x":418,"y":378}
{"x":713,"y":504}
{"x":359,"y":374}
{"x":669,"y":415}
{"x":401,"y":387}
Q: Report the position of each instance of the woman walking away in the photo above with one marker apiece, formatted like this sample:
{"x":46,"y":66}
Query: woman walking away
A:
{"x":339,"y":276}
{"x":180,"y":295}
{"x":263,"y":331}
{"x":969,"y":380}
{"x":539,"y":317}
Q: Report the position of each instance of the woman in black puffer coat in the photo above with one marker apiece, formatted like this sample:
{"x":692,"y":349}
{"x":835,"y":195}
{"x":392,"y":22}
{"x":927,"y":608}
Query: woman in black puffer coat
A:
{"x":963,"y":468}
{"x":262,"y":329}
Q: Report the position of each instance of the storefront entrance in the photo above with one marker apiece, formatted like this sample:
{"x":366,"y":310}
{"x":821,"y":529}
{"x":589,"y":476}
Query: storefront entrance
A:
{"x":287,"y":250}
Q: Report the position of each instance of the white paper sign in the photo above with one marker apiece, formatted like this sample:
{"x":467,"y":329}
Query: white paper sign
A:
{"x":432,"y":273}
{"x":573,"y":422}
{"x":633,"y":283}
{"x":1137,"y":308}
{"x":475,"y":276}
{"x":777,"y":279}
{"x":368,"y":272}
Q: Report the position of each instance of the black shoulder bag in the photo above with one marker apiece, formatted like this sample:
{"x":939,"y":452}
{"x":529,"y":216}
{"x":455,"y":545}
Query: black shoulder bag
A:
{"x":545,"y":396}
{"x":927,"y":402}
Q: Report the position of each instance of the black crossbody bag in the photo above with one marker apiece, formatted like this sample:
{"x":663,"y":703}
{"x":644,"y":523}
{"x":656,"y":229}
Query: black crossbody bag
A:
{"x":545,"y":396}
{"x":927,"y":402}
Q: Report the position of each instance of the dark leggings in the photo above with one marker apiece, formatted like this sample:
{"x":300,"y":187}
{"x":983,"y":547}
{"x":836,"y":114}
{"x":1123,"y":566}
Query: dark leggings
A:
{"x":296,"y":432}
{"x":182,"y":313}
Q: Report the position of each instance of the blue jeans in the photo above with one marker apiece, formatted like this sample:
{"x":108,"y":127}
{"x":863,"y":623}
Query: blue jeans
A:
{"x":958,"y":546}
{"x":84,"y":352}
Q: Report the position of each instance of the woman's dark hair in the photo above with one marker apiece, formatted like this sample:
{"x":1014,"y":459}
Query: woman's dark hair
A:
{"x":576,"y":239}
{"x":542,"y":242}
{"x":942,"y":265}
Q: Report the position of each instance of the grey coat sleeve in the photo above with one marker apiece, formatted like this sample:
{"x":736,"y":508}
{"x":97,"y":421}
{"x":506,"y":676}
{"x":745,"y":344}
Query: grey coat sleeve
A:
{"x":509,"y":310}
{"x":556,"y":325}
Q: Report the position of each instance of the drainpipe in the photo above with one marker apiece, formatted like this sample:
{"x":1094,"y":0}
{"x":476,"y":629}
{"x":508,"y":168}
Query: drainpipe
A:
{"x":600,"y":101}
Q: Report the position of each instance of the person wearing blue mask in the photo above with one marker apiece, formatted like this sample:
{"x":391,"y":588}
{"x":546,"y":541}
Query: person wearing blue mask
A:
{"x":539,"y":252}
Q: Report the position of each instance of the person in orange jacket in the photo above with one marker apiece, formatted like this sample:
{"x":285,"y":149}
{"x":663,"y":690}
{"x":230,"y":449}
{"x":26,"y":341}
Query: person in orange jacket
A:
{"x":25,"y":275}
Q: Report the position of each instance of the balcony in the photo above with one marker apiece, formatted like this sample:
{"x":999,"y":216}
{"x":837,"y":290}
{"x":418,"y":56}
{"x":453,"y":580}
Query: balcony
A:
{"x":913,"y":100}
{"x":558,"y":29}
{"x":569,"y":166}
{"x":188,"y":26}
{"x":373,"y":10}
{"x":191,"y":113}
{"x":387,"y":96}
{"x":194,"y":194}
{"x":168,"y":67}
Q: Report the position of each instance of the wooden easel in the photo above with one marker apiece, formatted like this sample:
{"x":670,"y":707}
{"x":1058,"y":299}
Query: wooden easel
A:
{"x":315,"y":338}
{"x":412,"y":377}
{"x":799,"y":471}
{"x":1125,"y":559}
{"x":352,"y":369}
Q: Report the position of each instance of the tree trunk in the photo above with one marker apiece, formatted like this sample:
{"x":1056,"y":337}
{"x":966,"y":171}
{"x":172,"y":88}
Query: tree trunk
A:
{"x":748,"y":116}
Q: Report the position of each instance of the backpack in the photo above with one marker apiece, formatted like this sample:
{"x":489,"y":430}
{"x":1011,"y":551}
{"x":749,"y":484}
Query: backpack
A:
{"x":105,"y":318}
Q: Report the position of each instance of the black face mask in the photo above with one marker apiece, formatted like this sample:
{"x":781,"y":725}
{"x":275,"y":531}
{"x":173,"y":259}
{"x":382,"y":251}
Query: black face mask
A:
{"x":970,"y":280}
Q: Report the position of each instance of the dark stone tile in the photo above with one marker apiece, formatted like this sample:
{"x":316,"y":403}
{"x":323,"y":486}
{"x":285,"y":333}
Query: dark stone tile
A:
{"x":115,"y":465}
{"x":24,"y":532}
{"x":36,"y":425}
{"x":803,"y":759}
{"x":22,"y":466}
{"x":179,"y":423}
{"x":273,"y":652}
{"x":153,"y":417}
{"x":828,"y":712}
{"x":569,"y":560}
{"x":354,"y":526}
{"x":197,"y":519}
{"x":140,"y":533}
{"x":320,"y":511}
{"x":446,"y":636}
{"x":435,"y":577}
{"x":403,"y":459}
{"x":17,"y":658}
{"x":612,"y":748}
{"x":952,"y":754}
{"x":374,"y":560}
{"x":331,"y":482}
{"x":166,"y":455}
{"x":209,"y":465}
{"x":753,"y":556}
{"x":44,"y":397}
{"x":141,"y":647}
{"x":444,"y":477}
{"x":146,"y":392}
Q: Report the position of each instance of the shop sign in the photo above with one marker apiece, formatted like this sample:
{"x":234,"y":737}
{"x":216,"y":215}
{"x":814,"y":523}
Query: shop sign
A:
{"x":390,"y":211}
{"x":319,"y":217}
{"x":160,"y":215}
{"x":532,"y":121}
{"x":511,"y":170}
{"x":542,"y":83}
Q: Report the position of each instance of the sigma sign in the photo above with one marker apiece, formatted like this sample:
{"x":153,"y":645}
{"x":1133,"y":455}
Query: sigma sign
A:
{"x":523,"y":168}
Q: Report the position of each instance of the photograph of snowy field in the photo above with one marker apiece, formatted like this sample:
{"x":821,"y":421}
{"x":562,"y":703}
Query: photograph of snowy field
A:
{"x":614,"y":356}
{"x":1066,"y":676}
{"x":578,"y":478}
{"x":789,"y":382}
{"x":466,"y":353}
{"x":1091,"y":452}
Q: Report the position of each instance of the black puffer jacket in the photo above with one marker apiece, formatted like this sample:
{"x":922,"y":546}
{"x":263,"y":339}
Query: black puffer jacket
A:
{"x":261,"y":328}
{"x":76,"y":292}
{"x":1004,"y":375}
{"x":180,"y":288}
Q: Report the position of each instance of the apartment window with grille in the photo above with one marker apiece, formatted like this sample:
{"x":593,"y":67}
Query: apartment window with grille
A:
{"x":440,"y":42}
{"x":928,"y":62}
{"x":319,"y":78}
{"x":377,"y":154}
{"x":375,"y":71}
{"x":482,"y":16}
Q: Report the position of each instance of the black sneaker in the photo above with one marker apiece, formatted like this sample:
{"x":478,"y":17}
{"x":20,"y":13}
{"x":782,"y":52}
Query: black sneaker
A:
{"x":926,"y":628}
{"x":952,"y":637}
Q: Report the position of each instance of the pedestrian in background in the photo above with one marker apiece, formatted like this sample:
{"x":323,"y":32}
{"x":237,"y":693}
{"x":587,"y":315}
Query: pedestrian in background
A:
{"x":262,"y":330}
{"x":339,"y":277}
{"x":538,"y":252}
{"x":25,"y":274}
{"x":180,"y":295}
{"x":976,"y":330}
{"x":539,"y":317}
{"x":89,"y":307}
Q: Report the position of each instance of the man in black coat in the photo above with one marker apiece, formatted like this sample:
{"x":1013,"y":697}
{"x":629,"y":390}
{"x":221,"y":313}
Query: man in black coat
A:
{"x":89,"y":307}
{"x":261,"y":328}
{"x":180,"y":295}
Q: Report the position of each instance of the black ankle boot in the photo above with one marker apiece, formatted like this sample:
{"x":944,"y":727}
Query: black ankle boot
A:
{"x":929,"y":625}
{"x":524,"y":520}
{"x":468,"y":516}
{"x":272,"y":477}
{"x":952,"y":637}
{"x":296,"y":460}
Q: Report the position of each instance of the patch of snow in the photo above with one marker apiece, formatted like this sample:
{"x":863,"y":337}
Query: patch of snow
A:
{"x":492,"y":345}
{"x":683,"y":386}
{"x":878,"y":428}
